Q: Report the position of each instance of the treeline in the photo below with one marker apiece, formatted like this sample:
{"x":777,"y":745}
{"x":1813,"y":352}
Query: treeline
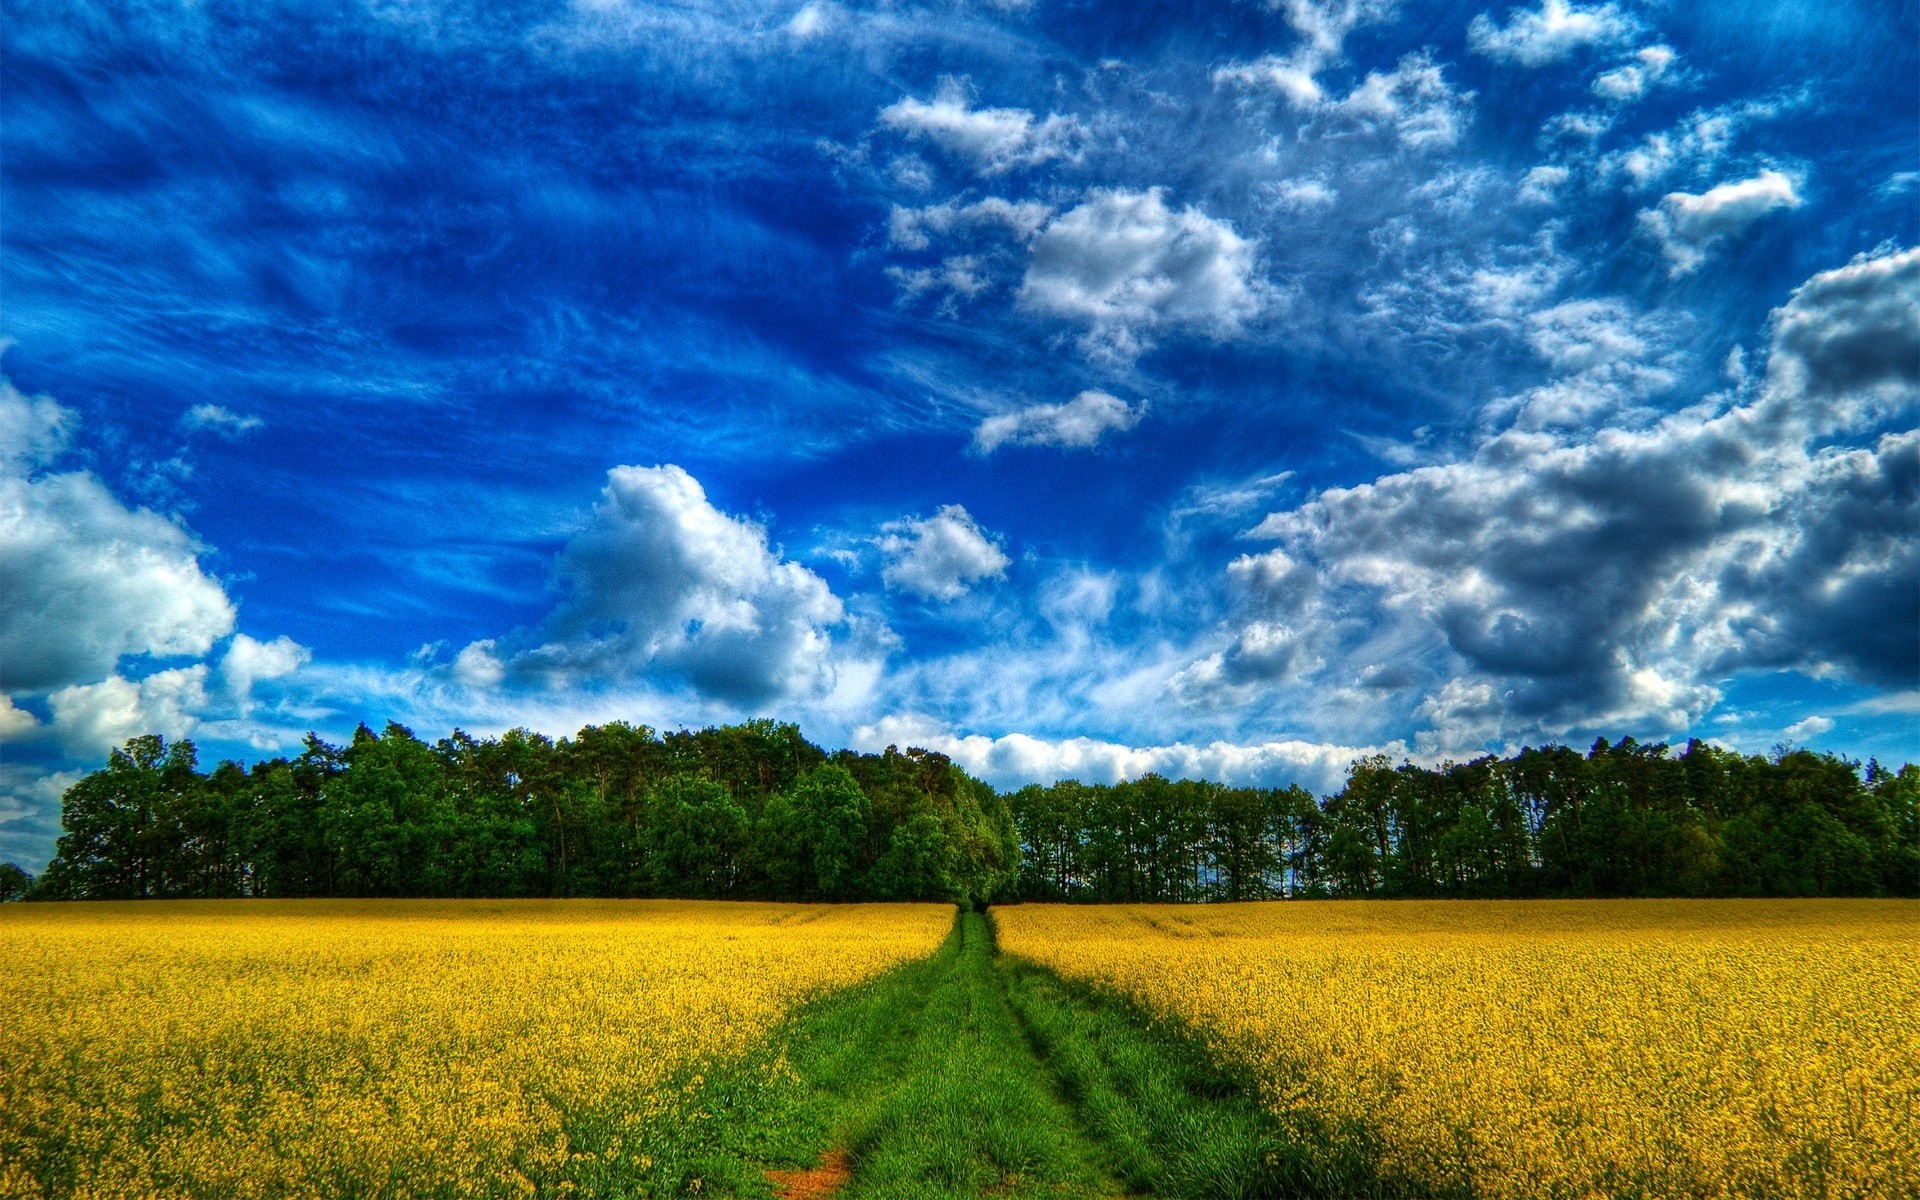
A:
{"x":1625,"y":819}
{"x":748,"y":811}
{"x":755,"y":811}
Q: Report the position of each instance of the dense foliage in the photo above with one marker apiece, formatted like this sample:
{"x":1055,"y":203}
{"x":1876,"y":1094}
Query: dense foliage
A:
{"x":743,"y":811}
{"x":756,"y":811}
{"x":1626,"y":819}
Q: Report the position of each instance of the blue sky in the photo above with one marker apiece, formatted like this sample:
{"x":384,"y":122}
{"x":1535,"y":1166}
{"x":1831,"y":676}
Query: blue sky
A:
{"x":1081,"y":389}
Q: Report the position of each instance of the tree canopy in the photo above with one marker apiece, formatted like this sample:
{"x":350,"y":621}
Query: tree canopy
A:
{"x":755,"y":811}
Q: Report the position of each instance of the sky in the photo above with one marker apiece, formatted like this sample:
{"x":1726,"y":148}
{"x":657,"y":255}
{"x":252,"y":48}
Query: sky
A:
{"x":1079,"y":389}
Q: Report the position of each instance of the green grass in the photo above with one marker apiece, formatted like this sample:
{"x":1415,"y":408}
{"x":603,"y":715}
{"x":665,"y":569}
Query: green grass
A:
{"x":968,"y":1074}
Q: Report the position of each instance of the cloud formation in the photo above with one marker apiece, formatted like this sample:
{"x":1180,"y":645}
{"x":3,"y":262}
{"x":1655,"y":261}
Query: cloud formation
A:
{"x":1323,"y":28}
{"x":1413,"y":103}
{"x":1550,"y":33}
{"x":990,"y":140}
{"x":1625,"y":84}
{"x":92,"y":718}
{"x":1688,"y":227}
{"x":1016,"y":759}
{"x":1129,"y":267}
{"x":249,"y":661}
{"x":940,"y":557}
{"x":661,"y":580}
{"x":88,"y":580}
{"x":1619,"y":577}
{"x":212,"y":418}
{"x":1079,"y":424}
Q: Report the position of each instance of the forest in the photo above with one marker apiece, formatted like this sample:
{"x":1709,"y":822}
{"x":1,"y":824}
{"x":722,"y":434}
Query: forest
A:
{"x":755,"y":811}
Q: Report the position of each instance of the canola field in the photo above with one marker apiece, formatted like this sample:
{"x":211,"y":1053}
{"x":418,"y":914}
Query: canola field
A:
{"x":458,"y":1048}
{"x":1550,"y":1049}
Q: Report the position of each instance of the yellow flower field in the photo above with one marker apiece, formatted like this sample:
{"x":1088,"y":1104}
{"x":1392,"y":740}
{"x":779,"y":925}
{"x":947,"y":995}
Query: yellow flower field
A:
{"x":1552,"y":1049}
{"x":261,"y":1048}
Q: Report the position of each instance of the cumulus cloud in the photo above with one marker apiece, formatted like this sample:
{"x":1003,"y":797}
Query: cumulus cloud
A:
{"x":478,"y":667}
{"x":212,"y":418}
{"x":16,"y":724}
{"x":92,"y":718}
{"x":1688,"y":227}
{"x":30,"y":812}
{"x":249,"y":660}
{"x":1625,"y":84}
{"x":990,"y":140}
{"x":1413,"y":103}
{"x":1129,"y":266}
{"x":1809,"y":727}
{"x":88,"y":580}
{"x":1282,"y":634}
{"x":1695,"y":146}
{"x":1542,"y":185}
{"x":939,"y":557}
{"x":1618,"y":577}
{"x":1302,"y":195}
{"x":1550,"y":33}
{"x":1323,"y":29}
{"x":1078,"y":424}
{"x":1846,"y":347}
{"x":33,"y":429}
{"x":662,"y":581}
{"x":1015,"y":759}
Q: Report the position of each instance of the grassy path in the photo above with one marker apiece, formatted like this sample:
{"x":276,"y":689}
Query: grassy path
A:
{"x":971,"y":1075}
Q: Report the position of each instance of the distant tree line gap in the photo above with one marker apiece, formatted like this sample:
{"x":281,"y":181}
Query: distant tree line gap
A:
{"x":755,"y":811}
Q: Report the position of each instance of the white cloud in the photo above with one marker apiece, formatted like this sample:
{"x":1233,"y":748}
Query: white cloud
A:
{"x":1129,"y":266}
{"x":1628,"y":83}
{"x":90,"y":719}
{"x":1897,"y":184}
{"x":662,"y":581}
{"x":1846,"y":347}
{"x":991,"y":140}
{"x":1579,"y":335}
{"x":212,"y":418}
{"x":1808,"y":727}
{"x":30,"y":812}
{"x":1689,"y":226}
{"x":939,"y":557}
{"x":89,"y":581}
{"x":1615,"y":577}
{"x":1554,"y":31}
{"x":1413,"y":102}
{"x":16,"y":724}
{"x":1015,"y":759}
{"x":1696,"y":145}
{"x":1323,"y":30}
{"x":914,"y":228}
{"x":1542,"y":185}
{"x":476,"y":666}
{"x":814,"y":17}
{"x":962,"y":276}
{"x":1302,"y":195}
{"x":249,"y":660}
{"x":33,"y":429}
{"x":1078,"y":424}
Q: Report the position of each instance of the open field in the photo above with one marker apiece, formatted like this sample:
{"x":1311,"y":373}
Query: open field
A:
{"x":239,"y":1049}
{"x":1566,"y":1049}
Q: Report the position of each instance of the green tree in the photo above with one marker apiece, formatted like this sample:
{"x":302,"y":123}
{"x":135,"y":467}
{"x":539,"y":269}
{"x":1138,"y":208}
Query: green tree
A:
{"x":695,"y":839}
{"x":15,"y":883}
{"x":831,"y":815}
